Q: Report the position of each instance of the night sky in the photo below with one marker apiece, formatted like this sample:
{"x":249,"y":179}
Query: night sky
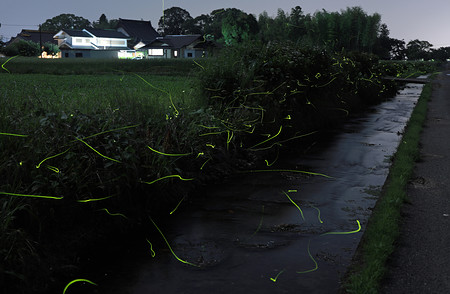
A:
{"x":424,"y":20}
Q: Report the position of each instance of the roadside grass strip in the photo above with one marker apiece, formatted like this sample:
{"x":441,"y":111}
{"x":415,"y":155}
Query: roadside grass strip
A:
{"x":383,"y":228}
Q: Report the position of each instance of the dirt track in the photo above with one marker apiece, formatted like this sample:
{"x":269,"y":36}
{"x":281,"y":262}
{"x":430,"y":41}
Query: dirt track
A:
{"x":421,"y":263}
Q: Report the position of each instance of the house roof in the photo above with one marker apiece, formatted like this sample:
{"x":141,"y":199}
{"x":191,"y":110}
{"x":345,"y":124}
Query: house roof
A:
{"x":77,"y":33}
{"x":138,"y":29}
{"x":35,"y":36}
{"x":106,"y":33}
{"x":173,"y":41}
{"x":89,"y":33}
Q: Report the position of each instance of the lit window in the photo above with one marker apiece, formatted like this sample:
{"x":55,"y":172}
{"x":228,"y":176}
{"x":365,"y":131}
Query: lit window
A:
{"x":158,"y":52}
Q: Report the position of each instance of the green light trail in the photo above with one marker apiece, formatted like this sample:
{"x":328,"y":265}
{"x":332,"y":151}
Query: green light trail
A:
{"x":31,"y":196}
{"x":78,"y":280}
{"x":170,"y":248}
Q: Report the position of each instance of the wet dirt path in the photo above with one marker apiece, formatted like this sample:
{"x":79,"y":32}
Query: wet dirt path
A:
{"x":247,"y":236}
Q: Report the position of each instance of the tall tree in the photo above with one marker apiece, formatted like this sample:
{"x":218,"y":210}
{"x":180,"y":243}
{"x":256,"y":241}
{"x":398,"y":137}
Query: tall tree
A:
{"x":104,"y":23}
{"x":238,"y":26}
{"x":417,"y":49}
{"x":65,"y":21}
{"x":175,"y":21}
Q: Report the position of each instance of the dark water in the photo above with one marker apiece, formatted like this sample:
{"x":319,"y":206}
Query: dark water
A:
{"x":245,"y":231}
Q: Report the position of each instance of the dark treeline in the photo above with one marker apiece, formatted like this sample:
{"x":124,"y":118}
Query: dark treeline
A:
{"x":351,"y":29}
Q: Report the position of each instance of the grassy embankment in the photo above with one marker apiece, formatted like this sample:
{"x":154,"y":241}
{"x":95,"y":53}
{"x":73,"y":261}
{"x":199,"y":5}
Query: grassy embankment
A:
{"x":378,"y":242}
{"x":109,"y":147}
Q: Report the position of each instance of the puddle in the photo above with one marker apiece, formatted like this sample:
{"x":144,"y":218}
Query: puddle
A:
{"x":247,"y":236}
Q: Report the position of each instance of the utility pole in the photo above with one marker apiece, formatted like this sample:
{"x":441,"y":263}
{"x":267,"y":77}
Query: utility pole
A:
{"x":40,"y":41}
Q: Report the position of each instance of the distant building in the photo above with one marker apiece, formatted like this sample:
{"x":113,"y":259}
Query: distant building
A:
{"x":139,"y":32}
{"x":91,"y":43}
{"x":178,"y":46}
{"x":34,"y":36}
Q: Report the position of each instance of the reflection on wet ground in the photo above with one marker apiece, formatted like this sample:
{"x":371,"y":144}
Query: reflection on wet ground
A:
{"x":247,"y":235}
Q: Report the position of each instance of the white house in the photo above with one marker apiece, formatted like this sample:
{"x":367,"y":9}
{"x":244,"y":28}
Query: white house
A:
{"x":178,"y":46}
{"x":91,"y":43}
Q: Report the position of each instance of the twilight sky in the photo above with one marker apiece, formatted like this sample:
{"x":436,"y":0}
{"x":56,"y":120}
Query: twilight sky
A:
{"x":427,"y":20}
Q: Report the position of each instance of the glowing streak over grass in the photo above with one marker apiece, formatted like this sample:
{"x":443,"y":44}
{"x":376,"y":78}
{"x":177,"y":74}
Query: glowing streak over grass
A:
{"x":344,"y":233}
{"x":203,"y":165}
{"x":3,"y":65}
{"x":151,"y":248}
{"x":176,"y":207}
{"x":279,"y":131}
{"x":93,"y":199}
{"x":318,"y":216}
{"x":167,"y":154}
{"x":52,"y":168}
{"x":170,"y":176}
{"x":78,"y":280}
{"x":114,"y":214}
{"x":104,"y":156}
{"x":315,"y":263}
{"x":276,"y":277}
{"x":31,"y":196}
{"x":299,"y":209}
{"x":170,"y":96}
{"x":50,"y":157}
{"x":276,"y":158}
{"x":113,"y":130}
{"x":287,"y":170}
{"x":170,"y":248}
{"x":196,"y":61}
{"x":14,"y":135}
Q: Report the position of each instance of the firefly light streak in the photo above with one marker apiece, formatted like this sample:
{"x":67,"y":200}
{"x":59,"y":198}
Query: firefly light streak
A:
{"x":50,"y":157}
{"x":114,"y":214}
{"x":312,"y":258}
{"x":78,"y":280}
{"x":344,"y":233}
{"x":170,"y":248}
{"x":31,"y":196}
{"x":166,"y":177}
{"x":167,"y":154}
{"x":93,"y":199}
{"x":276,"y":277}
{"x":14,"y":135}
{"x":3,"y":65}
{"x":151,"y":248}
{"x":318,"y":216}
{"x":176,"y":207}
{"x":104,"y":156}
{"x":286,"y":170}
{"x":301,"y":212}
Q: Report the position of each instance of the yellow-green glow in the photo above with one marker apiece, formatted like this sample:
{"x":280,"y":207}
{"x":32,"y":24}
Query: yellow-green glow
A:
{"x":93,"y":199}
{"x":315,"y":263}
{"x":260,"y":222}
{"x":203,"y":165}
{"x":170,"y":248}
{"x":166,"y":177}
{"x":167,"y":154}
{"x":276,"y":277}
{"x":176,"y":207}
{"x":31,"y":196}
{"x":3,"y":65}
{"x":318,"y":216}
{"x":104,"y":156}
{"x":176,"y":112}
{"x":14,"y":135}
{"x":78,"y":280}
{"x":113,"y":130}
{"x":301,"y":212}
{"x":260,"y":143}
{"x":50,"y":157}
{"x":345,"y":233}
{"x":114,"y":214}
{"x":287,"y":170}
{"x":151,"y":248}
{"x":52,"y":168}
